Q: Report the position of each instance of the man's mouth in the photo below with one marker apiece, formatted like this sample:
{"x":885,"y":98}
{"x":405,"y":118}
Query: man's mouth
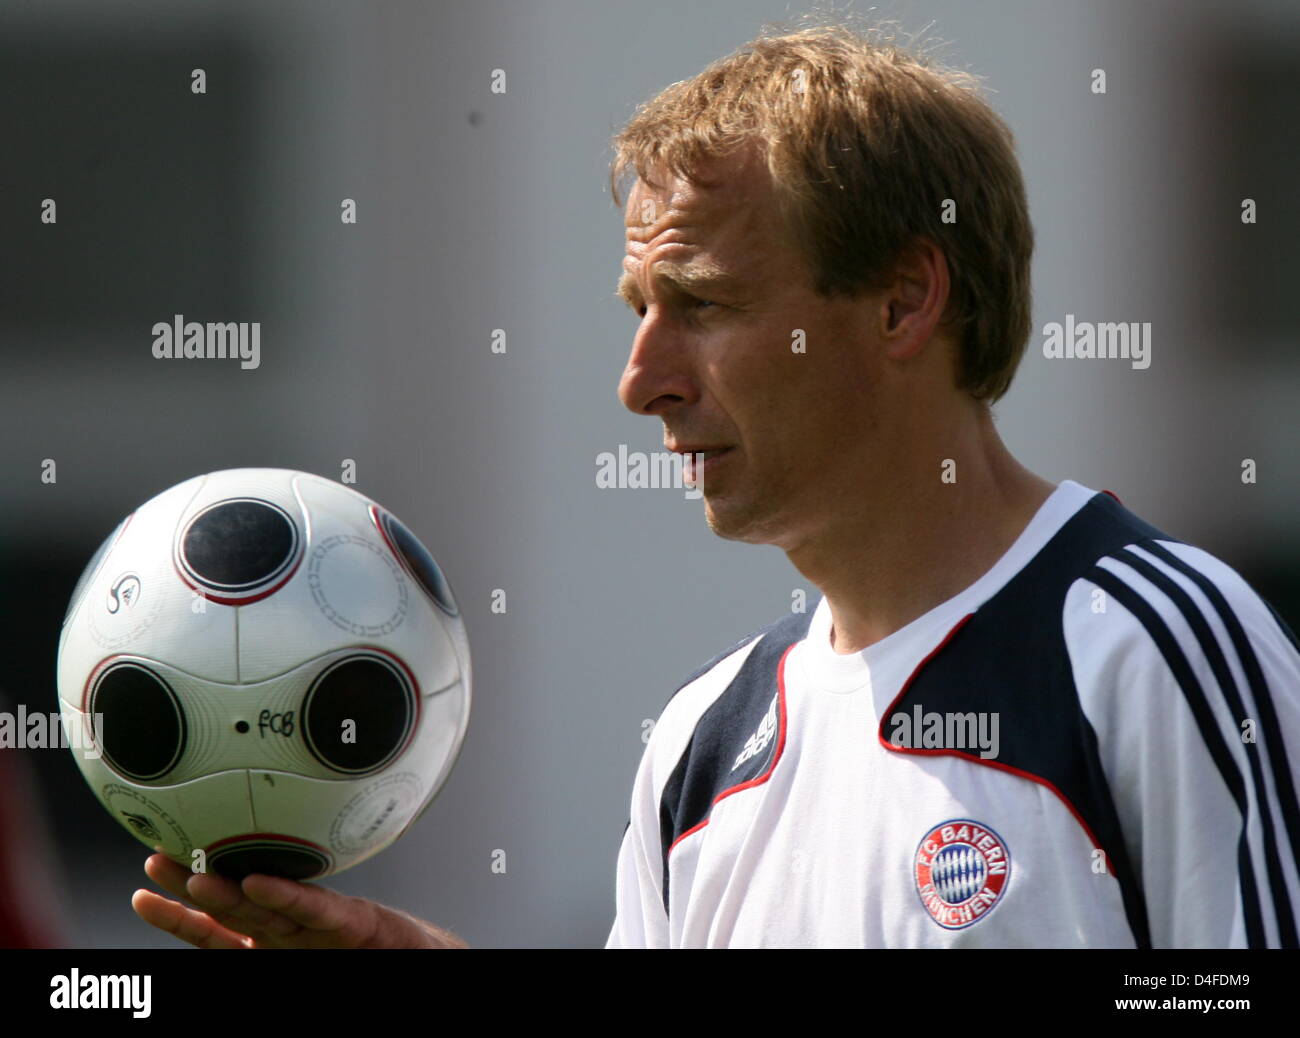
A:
{"x":707,"y":450}
{"x":699,"y":461}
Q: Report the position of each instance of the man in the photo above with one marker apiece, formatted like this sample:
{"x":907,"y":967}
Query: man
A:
{"x":1019,"y":715}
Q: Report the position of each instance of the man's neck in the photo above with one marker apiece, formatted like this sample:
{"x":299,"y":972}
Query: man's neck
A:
{"x":919,"y":541}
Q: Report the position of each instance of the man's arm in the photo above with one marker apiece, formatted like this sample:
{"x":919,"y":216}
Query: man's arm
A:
{"x":1192,"y":685}
{"x":271,"y":912}
{"x":640,"y":919}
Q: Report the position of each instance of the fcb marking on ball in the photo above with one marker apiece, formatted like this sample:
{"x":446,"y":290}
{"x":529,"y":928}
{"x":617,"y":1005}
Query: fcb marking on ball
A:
{"x":961,"y":870}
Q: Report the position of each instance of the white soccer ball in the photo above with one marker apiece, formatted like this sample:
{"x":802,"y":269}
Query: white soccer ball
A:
{"x":265,"y":671}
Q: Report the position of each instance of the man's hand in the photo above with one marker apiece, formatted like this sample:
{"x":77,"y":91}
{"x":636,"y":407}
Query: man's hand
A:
{"x":271,"y":912}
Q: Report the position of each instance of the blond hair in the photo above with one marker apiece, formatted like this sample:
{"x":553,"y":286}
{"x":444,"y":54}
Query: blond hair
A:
{"x":865,"y":142}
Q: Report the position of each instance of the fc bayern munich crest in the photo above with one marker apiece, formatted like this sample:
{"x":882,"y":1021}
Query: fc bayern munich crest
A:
{"x":961,"y":871}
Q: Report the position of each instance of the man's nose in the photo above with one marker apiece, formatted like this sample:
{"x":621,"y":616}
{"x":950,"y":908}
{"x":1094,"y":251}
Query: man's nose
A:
{"x":658,"y":373}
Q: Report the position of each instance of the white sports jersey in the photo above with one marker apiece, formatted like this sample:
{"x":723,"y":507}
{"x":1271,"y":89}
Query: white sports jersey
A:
{"x":1093,"y":745}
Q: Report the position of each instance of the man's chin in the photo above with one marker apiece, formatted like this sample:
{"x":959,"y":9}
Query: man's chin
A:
{"x":735,"y":524}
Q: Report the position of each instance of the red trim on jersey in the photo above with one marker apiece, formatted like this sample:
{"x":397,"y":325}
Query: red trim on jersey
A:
{"x":758,"y":780}
{"x":970,"y":757}
{"x":1113,"y":495}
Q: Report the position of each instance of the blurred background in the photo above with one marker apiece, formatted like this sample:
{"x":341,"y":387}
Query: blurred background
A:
{"x":479,"y":211}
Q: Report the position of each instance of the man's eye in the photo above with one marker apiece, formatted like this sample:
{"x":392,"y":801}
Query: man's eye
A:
{"x":691,"y":302}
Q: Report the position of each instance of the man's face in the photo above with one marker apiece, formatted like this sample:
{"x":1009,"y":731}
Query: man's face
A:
{"x":756,"y":364}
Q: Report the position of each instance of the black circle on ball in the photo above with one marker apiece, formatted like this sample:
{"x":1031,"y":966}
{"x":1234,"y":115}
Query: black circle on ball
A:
{"x":239,"y":544}
{"x":138,"y":722}
{"x":270,"y":859}
{"x":241,"y":727}
{"x":357,"y":714}
{"x":421,"y":563}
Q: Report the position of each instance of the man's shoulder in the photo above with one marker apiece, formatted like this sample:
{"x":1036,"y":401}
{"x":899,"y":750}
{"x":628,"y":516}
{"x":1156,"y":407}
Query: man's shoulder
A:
{"x":1107,"y":605}
{"x":1099,"y":527}
{"x":787,"y":630}
{"x":1180,"y":603}
{"x":724,"y":727}
{"x":1106,"y":554}
{"x":1108,"y":581}
{"x":743,"y":670}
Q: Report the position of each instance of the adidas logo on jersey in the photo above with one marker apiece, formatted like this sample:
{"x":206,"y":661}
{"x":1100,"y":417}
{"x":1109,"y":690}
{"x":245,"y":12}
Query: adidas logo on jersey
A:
{"x":757,"y":742}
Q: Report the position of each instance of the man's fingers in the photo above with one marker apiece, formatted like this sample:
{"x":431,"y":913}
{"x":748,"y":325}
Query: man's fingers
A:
{"x":189,"y":925}
{"x":218,"y":897}
{"x":168,"y":875}
{"x":315,"y":908}
{"x":272,"y":910}
{"x":224,"y":899}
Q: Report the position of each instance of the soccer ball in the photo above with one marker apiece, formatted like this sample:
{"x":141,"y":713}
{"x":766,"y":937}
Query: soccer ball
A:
{"x":264,"y":671}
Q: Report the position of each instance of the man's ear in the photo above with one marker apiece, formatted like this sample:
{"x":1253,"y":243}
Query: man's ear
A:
{"x":915,"y":301}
